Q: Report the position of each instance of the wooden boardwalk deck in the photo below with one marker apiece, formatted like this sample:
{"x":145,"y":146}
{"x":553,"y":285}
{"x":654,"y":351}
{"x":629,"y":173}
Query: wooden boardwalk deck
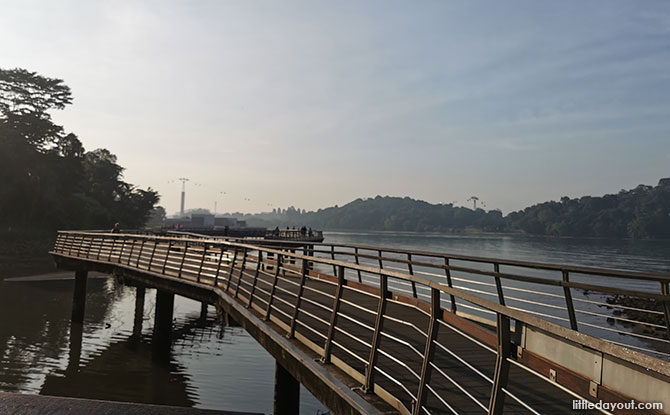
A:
{"x":411,"y":352}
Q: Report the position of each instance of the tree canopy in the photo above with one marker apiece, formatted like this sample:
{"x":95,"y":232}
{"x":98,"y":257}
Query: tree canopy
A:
{"x":641,"y":213}
{"x":49,"y":180}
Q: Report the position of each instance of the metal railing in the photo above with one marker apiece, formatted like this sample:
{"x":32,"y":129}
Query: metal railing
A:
{"x":387,"y":317}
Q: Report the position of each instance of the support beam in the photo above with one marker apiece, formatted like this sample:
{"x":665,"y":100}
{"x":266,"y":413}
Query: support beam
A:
{"x":163,"y":323}
{"x":79,"y":299}
{"x":287,"y":392}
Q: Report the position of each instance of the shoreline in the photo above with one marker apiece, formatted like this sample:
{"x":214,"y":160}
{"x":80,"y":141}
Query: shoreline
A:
{"x":484,"y":233}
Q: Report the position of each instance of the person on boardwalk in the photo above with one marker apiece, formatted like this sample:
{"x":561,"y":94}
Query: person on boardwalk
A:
{"x":116,"y":229}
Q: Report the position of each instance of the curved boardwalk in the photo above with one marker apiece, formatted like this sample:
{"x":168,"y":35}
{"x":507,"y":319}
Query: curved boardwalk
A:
{"x":391,"y":333}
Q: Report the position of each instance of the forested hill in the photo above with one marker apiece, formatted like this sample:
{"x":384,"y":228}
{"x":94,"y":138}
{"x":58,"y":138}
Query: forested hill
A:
{"x":643,"y":212}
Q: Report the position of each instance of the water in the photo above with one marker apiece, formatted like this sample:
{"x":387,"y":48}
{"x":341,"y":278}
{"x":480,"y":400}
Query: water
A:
{"x":211,"y":366}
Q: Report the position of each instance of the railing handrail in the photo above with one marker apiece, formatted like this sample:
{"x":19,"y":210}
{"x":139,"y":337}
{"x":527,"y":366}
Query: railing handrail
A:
{"x":609,"y":272}
{"x":632,"y":356}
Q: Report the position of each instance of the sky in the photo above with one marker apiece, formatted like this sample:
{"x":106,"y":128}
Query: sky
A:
{"x":266,"y":104}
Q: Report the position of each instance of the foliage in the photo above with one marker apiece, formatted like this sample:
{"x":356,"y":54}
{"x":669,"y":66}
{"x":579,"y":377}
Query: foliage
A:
{"x":49,"y":180}
{"x":643,"y":212}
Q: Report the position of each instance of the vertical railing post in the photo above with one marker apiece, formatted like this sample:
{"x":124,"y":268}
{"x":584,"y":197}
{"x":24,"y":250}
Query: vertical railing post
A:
{"x":358,"y":271}
{"x":274,"y":287}
{"x":123,"y":246}
{"x":100,"y":247}
{"x":167,"y":255}
{"x":153,"y":253}
{"x":429,"y":351}
{"x":327,"y":349}
{"x":332,"y":256}
{"x":368,"y":387}
{"x":202,"y":261}
{"x":568,"y":301}
{"x":665,"y":290}
{"x":298,"y":299}
{"x":239,"y":280}
{"x":111,"y":249}
{"x":139,"y":256}
{"x":218,"y":266}
{"x":501,"y":374}
{"x":183,"y":259}
{"x":447,"y":273}
{"x":381,"y":264}
{"x":253,"y":283}
{"x":132,"y":248}
{"x":411,"y":272}
{"x":501,"y":296}
{"x":230,"y":271}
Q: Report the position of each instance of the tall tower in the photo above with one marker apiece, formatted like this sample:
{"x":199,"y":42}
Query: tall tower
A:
{"x":183,"y":194}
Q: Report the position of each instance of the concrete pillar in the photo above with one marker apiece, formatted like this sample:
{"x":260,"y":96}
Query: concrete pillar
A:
{"x":139,"y":311}
{"x":74,"y":356}
{"x":203,"y":311}
{"x":287,"y":392}
{"x":163,"y":323}
{"x":79,"y":299}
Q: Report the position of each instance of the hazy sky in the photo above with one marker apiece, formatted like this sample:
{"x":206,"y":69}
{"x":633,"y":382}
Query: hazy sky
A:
{"x":316,"y":103}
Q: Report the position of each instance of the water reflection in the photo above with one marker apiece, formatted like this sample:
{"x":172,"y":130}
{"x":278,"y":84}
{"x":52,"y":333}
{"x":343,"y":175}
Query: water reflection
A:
{"x":112,"y":357}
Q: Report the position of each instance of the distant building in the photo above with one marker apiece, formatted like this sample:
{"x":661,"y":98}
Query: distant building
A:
{"x":664,"y":182}
{"x":204,"y":221}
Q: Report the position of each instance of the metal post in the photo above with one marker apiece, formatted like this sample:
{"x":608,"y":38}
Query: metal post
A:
{"x":501,"y":296}
{"x":153,"y":252}
{"x":139,"y":256}
{"x":202,"y":261}
{"x":253,"y":284}
{"x":79,"y":298}
{"x":368,"y":387}
{"x":501,"y":374}
{"x":274,"y":287}
{"x":429,"y":351}
{"x":332,"y":256}
{"x":358,"y":271}
{"x":218,"y":267}
{"x":239,"y":280}
{"x":287,"y":392}
{"x":568,"y":301}
{"x":183,"y":259}
{"x":296,"y":308}
{"x":230,"y":271}
{"x":381,"y":265}
{"x":665,"y":290}
{"x":411,"y":272}
{"x":123,"y":246}
{"x":447,"y":273}
{"x":132,"y":248}
{"x":167,"y":255}
{"x":327,"y":349}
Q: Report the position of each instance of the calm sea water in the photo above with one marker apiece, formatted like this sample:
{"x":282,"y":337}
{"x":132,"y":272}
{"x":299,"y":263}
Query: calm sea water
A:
{"x":211,"y":366}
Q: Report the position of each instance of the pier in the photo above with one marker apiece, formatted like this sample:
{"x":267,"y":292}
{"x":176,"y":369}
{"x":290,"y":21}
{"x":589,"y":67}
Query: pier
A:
{"x":372,"y":330}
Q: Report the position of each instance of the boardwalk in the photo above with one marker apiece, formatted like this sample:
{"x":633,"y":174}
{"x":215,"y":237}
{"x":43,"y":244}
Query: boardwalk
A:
{"x":392,"y":335}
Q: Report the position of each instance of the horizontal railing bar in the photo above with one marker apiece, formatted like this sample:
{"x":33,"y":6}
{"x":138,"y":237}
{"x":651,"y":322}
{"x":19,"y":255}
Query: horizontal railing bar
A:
{"x":458,"y":385}
{"x":506,"y":262}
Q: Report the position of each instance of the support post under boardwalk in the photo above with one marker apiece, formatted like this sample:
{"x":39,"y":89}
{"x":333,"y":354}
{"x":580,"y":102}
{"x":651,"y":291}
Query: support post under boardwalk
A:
{"x":287,"y":392}
{"x":79,"y":299}
{"x":139,"y":311}
{"x":163,"y":322}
